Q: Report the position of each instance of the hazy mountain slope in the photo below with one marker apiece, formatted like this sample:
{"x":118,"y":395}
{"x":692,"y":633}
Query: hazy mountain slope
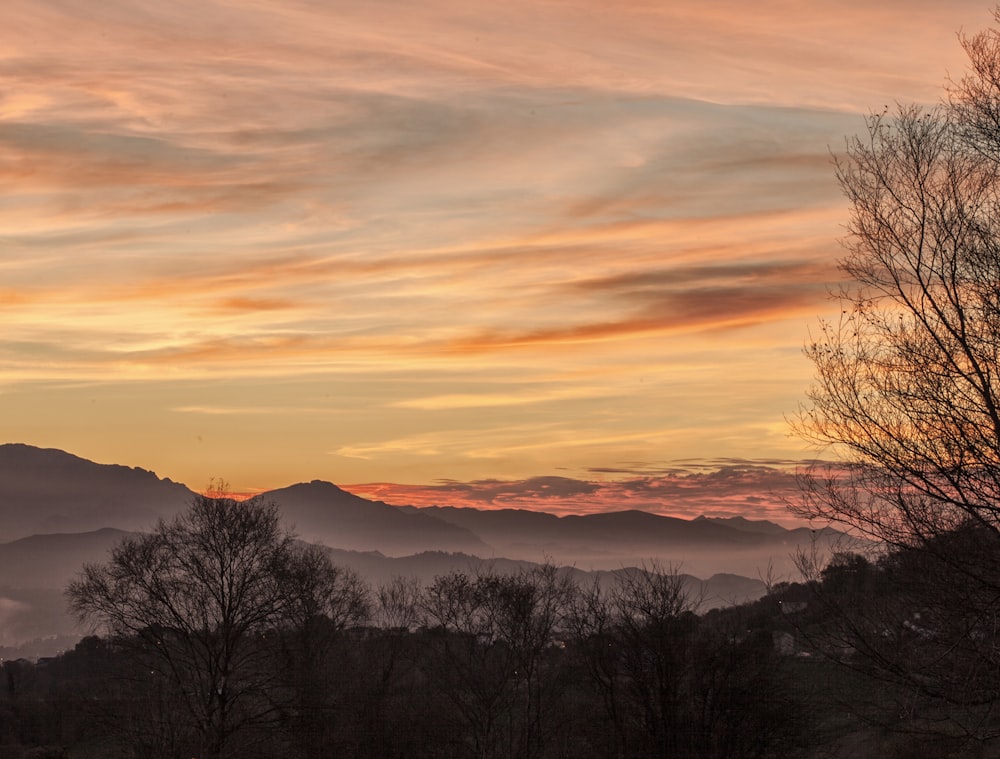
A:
{"x":747,"y":525}
{"x":59,"y":511}
{"x":49,"y":491}
{"x":321,"y":512}
{"x":640,"y":527}
{"x":616,"y":539}
{"x":38,"y":615}
{"x":51,"y":561}
{"x":501,"y":527}
{"x":34,"y":572}
{"x":717,"y":590}
{"x":45,"y":490}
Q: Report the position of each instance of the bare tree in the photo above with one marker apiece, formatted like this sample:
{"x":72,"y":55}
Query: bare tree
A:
{"x":672,"y":683}
{"x":492,"y":634}
{"x":397,"y":603}
{"x":906,"y":381}
{"x":655,"y":614}
{"x":199,"y":602}
{"x":907,"y":393}
{"x":322,"y":601}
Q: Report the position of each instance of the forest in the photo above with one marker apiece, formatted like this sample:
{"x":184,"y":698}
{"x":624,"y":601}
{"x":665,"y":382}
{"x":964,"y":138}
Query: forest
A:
{"x":222,"y":636}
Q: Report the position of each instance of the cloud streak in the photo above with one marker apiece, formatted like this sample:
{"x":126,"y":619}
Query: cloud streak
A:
{"x":752,"y":489}
{"x":491,"y":242}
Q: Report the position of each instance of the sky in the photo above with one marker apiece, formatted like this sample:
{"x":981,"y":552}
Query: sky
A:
{"x":558,"y":254}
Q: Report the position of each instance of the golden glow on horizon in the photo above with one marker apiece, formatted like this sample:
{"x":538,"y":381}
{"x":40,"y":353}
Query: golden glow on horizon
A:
{"x":406,"y":242}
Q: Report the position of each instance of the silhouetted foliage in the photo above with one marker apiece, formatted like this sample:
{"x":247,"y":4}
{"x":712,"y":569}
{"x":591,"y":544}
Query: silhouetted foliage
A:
{"x":524,"y":664}
{"x":493,"y":656}
{"x":907,"y":393}
{"x":673,"y":684}
{"x":202,"y":605}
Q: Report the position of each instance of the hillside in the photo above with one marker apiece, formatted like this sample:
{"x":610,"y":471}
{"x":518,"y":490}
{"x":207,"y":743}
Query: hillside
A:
{"x":44,"y":490}
{"x":59,"y":511}
{"x":614,"y":539}
{"x":323,"y":513}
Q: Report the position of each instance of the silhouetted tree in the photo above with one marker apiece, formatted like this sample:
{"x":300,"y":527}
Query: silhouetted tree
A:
{"x":671,"y":684}
{"x":392,"y":700}
{"x":323,"y":601}
{"x":907,"y":390}
{"x":198,"y":603}
{"x":494,"y":656}
{"x":635,"y":635}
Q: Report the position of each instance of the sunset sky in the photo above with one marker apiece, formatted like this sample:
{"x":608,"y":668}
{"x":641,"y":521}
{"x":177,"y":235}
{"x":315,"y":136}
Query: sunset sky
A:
{"x":556,"y":254}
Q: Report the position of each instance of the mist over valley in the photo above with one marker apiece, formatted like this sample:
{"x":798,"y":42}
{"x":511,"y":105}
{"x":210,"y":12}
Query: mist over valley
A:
{"x":59,"y":512}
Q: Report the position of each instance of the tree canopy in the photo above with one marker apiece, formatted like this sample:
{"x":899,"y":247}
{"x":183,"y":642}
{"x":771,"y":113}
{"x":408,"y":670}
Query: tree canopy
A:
{"x":907,"y":390}
{"x":201,"y":601}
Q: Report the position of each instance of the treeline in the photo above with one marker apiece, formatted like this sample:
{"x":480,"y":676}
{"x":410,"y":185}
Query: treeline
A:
{"x":222,"y":636}
{"x":472,"y":665}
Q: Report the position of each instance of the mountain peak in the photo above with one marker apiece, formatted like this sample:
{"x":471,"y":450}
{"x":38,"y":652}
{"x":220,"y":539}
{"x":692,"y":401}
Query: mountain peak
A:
{"x":46,"y":490}
{"x":762,"y":526}
{"x":28,"y":458}
{"x":319,"y":510}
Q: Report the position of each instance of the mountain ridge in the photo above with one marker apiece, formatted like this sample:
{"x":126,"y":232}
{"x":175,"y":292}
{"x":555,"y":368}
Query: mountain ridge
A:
{"x":320,"y":511}
{"x":46,"y":490}
{"x":607,"y":540}
{"x":59,"y":511}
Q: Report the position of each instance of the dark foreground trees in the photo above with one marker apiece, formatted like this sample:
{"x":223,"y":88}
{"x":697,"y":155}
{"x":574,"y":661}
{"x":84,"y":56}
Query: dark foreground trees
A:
{"x":203,"y":605}
{"x":227,"y":638}
{"x":493,"y":652}
{"x":673,"y":683}
{"x":907,"y":394}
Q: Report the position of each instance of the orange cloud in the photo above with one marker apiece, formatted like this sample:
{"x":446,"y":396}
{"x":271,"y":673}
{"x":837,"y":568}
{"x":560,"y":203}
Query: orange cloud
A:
{"x":685,"y":489}
{"x":497,"y":237}
{"x":254,"y":304}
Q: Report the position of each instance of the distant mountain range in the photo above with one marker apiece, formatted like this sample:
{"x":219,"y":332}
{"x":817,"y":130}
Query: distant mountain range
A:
{"x":58,"y":511}
{"x":46,"y":491}
{"x":620,"y":538}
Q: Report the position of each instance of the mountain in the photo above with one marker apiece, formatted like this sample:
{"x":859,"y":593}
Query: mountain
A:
{"x":34,"y":572}
{"x":522,"y":528}
{"x":59,"y":511}
{"x":44,"y":490}
{"x":51,"y":561}
{"x":611,"y":540}
{"x":320,"y":512}
{"x":748,"y":525}
{"x":718,"y":590}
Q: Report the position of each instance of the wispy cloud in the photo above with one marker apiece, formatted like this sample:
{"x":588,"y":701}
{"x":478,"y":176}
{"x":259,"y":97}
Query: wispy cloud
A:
{"x":518,"y":396}
{"x":501,"y":239}
{"x":251,"y":410}
{"x":687,"y":489}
